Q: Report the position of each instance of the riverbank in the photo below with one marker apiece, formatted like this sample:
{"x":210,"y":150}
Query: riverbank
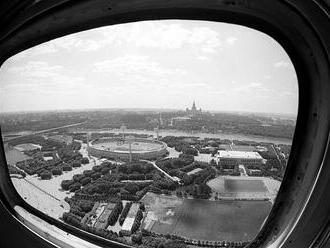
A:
{"x":201,"y":135}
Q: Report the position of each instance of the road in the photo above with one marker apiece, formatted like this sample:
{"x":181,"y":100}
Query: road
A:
{"x":44,"y":131}
{"x":162,"y":171}
{"x":52,"y":196}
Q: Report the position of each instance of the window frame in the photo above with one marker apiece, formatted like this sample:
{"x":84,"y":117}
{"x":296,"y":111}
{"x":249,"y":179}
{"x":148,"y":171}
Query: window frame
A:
{"x":299,"y":26}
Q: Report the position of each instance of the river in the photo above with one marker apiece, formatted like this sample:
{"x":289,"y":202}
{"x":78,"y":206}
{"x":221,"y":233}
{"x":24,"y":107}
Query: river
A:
{"x":177,"y":133}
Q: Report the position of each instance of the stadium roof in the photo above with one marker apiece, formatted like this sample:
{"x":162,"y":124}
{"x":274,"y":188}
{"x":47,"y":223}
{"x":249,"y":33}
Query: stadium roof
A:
{"x":27,"y":147}
{"x":239,"y":155}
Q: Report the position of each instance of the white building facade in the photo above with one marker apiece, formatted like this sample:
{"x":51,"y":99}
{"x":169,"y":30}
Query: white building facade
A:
{"x":235,"y":158}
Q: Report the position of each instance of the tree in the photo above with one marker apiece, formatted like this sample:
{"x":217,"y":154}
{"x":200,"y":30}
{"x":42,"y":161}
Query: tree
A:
{"x":115,"y":213}
{"x":97,"y":168}
{"x":71,"y":219}
{"x":142,"y":206}
{"x":132,"y":188}
{"x":67,"y":167}
{"x":179,"y":194}
{"x":96,"y":175}
{"x":65,"y":184}
{"x":86,"y":180}
{"x":105,"y":170}
{"x":57,"y":171}
{"x":86,"y":206}
{"x":88,"y":173}
{"x":137,"y":238}
{"x":187,"y":179}
{"x":139,"y":215}
{"x":74,"y":187}
{"x":76,"y":164}
{"x":190,"y":151}
{"x":84,"y":160}
{"x":78,"y":177}
{"x":213,"y":163}
{"x":124,"y":212}
{"x":45,"y":175}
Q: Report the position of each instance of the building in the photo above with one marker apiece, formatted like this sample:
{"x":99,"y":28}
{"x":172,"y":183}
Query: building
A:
{"x":179,"y":120}
{"x":102,"y":221}
{"x":231,"y":159}
{"x":63,"y":139}
{"x":194,"y":112}
{"x":27,"y":147}
{"x":132,"y":149}
{"x":126,"y":228}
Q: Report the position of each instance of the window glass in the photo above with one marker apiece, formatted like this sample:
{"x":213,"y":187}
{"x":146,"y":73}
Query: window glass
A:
{"x":170,"y":133}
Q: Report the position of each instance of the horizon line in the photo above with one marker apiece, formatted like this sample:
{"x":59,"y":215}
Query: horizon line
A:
{"x":144,"y":109}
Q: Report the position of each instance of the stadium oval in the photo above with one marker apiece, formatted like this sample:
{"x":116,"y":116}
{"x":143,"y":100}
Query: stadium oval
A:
{"x":127,"y":149}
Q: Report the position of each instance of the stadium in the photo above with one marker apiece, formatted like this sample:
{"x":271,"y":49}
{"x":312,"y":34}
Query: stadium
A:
{"x":128,"y":149}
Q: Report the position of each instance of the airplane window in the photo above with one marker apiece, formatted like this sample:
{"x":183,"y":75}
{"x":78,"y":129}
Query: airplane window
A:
{"x":155,"y":133}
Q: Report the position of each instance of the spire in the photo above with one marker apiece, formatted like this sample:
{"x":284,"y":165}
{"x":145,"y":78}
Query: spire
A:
{"x":193,"y":106}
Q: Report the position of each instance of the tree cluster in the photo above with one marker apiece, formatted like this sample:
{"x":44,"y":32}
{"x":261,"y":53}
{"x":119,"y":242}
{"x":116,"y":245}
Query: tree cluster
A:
{"x":137,"y":221}
{"x":14,"y":170}
{"x":115,"y":213}
{"x":72,"y":219}
{"x":124,"y":212}
{"x":136,"y":167}
{"x":133,"y":177}
{"x":175,"y":163}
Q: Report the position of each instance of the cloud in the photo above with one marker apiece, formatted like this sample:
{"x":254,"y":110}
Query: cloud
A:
{"x":36,"y":69}
{"x":134,"y":64}
{"x":240,"y":90}
{"x":283,"y":64}
{"x":45,"y":48}
{"x":42,"y":49}
{"x":231,"y":40}
{"x":39,"y":76}
{"x":139,"y":74}
{"x":147,"y":34}
{"x":188,"y":86}
{"x":205,"y":38}
{"x":203,"y":58}
{"x":75,"y":41}
{"x":253,"y":87}
{"x":289,"y":93}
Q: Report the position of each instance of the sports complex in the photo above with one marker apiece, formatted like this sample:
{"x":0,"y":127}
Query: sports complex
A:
{"x":203,"y":219}
{"x":127,"y":148}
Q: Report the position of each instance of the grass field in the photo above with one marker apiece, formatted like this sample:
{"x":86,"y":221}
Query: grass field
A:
{"x":135,"y":146}
{"x":205,"y":220}
{"x":244,"y":186}
{"x":238,"y":186}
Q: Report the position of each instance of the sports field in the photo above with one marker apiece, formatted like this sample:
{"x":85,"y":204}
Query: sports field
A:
{"x":124,"y":146}
{"x":238,"y":185}
{"x":233,"y":186}
{"x":13,"y":156}
{"x":204,"y":219}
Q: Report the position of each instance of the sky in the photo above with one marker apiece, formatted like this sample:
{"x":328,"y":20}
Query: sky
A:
{"x":153,"y":64}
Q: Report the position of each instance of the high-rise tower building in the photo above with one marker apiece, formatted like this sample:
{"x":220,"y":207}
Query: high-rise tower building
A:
{"x":194,"y":111}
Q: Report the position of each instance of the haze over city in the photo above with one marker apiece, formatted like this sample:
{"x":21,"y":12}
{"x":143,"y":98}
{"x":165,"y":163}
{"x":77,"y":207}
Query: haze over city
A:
{"x":153,"y":64}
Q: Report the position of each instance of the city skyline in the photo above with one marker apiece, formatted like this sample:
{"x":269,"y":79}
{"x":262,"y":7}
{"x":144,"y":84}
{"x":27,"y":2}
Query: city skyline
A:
{"x":173,"y":64}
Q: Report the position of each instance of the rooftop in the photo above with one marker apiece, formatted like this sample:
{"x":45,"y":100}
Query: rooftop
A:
{"x":128,"y":223}
{"x":27,"y":147}
{"x":239,"y":155}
